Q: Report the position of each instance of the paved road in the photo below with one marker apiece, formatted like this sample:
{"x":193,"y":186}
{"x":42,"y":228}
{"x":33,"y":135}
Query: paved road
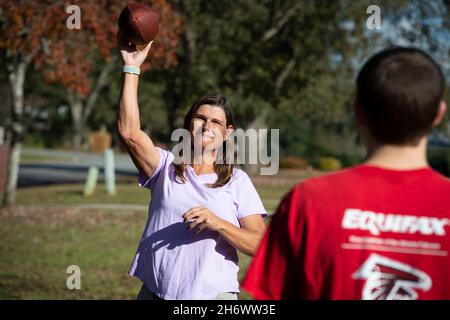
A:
{"x":67,"y":166}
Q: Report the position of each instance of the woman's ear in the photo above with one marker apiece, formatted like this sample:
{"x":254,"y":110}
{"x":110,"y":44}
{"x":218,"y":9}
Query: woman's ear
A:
{"x":440,"y":114}
{"x":228,"y":132}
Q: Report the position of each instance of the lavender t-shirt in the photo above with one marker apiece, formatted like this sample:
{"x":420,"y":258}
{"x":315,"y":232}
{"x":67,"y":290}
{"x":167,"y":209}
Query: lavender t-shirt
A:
{"x":176,"y":263}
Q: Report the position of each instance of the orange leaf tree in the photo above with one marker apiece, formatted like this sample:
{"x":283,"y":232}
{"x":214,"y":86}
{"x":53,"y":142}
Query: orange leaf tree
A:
{"x":34,"y":33}
{"x":82,"y":60}
{"x":23,"y":30}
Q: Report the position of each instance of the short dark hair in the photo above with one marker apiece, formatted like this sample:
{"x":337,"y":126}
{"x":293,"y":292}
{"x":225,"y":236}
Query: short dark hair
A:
{"x":399,"y":91}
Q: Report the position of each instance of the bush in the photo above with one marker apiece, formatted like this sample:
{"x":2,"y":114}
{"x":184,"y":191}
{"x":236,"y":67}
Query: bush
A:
{"x":34,"y":140}
{"x":350,"y":160}
{"x":292,"y":162}
{"x":329,"y":164}
{"x":439,"y":160}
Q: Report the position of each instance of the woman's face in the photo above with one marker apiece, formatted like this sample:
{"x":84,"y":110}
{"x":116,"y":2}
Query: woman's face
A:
{"x":209,"y":125}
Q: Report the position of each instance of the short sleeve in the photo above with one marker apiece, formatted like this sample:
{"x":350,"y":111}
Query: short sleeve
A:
{"x":148,"y":182}
{"x":247,"y":199}
{"x":274,"y":271}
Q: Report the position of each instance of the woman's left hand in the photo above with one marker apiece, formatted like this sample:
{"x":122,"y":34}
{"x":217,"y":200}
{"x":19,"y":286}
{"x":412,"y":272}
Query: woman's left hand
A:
{"x":203,"y":218}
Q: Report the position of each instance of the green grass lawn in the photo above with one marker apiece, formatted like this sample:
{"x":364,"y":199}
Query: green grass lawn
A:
{"x":38,"y":243}
{"x":126,"y":193}
{"x":37,"y":246}
{"x":25,"y":158}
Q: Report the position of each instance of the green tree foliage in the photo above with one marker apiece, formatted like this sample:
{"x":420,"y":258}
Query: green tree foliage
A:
{"x":255,"y":52}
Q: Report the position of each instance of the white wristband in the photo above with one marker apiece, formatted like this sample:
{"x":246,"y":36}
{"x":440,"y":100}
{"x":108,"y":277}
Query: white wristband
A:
{"x":131,"y":69}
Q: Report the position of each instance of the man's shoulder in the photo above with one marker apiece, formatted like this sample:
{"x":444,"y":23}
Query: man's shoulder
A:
{"x":330,"y":182}
{"x":440,"y":178}
{"x":362,"y":178}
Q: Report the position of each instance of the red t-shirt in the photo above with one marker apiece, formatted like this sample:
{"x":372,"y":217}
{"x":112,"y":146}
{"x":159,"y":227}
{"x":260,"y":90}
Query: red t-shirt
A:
{"x":360,"y":233}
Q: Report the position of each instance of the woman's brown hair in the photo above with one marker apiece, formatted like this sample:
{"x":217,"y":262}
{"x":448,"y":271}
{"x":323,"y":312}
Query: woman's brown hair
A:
{"x":224,"y":170}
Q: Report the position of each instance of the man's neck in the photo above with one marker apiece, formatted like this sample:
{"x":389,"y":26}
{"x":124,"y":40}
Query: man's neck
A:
{"x":398,"y":157}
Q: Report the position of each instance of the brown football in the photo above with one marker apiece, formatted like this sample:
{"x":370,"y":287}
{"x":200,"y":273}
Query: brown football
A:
{"x":138,"y":23}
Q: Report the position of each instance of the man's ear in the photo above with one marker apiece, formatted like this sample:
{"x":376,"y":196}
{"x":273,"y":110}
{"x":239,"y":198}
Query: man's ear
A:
{"x":440,"y":114}
{"x":359,"y":113}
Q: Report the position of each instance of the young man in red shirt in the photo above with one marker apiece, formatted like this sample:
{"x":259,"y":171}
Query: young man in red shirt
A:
{"x":380,"y":230}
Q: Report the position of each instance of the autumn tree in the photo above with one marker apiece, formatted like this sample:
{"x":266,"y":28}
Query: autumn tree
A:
{"x":35,"y":33}
{"x":24,"y":31}
{"x":83,"y":60}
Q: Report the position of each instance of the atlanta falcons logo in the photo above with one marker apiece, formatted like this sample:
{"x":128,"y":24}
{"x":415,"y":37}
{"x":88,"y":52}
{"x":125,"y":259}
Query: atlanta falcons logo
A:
{"x":388,"y":279}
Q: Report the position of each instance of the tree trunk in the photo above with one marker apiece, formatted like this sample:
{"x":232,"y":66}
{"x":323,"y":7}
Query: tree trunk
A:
{"x":16,"y":82}
{"x":76,"y":110}
{"x":81,"y":111}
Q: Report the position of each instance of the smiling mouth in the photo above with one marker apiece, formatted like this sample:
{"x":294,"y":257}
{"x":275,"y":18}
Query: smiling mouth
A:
{"x":208,"y":135}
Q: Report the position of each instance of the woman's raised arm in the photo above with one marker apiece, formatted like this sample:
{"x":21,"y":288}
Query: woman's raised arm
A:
{"x":142,"y":151}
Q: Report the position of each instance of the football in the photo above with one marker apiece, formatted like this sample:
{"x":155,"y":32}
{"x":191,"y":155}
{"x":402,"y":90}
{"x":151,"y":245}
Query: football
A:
{"x":138,"y":23}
